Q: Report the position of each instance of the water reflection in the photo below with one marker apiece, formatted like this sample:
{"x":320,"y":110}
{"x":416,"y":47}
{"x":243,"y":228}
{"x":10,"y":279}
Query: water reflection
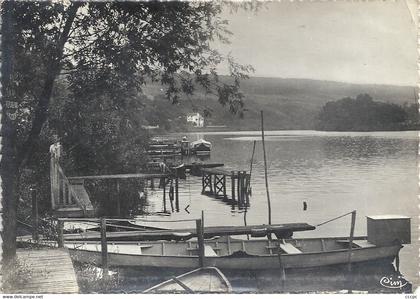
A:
{"x":363,"y":278}
{"x":333,"y":173}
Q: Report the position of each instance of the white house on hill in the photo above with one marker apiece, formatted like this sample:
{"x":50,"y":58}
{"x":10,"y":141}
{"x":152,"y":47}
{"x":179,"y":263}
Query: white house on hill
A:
{"x":196,"y":119}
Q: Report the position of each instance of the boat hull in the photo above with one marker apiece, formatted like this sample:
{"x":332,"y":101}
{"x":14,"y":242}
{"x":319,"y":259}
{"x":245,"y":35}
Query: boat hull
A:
{"x":202,"y":280}
{"x":241,"y":260}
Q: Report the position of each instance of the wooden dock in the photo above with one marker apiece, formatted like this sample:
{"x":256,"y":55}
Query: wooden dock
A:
{"x":214,"y":183}
{"x":50,"y":272}
{"x":143,"y":176}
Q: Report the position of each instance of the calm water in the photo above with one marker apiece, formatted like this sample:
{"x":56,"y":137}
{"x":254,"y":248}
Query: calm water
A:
{"x":334,"y":173}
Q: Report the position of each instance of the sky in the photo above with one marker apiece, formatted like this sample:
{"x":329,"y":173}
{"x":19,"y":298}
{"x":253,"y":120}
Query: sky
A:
{"x":357,"y":42}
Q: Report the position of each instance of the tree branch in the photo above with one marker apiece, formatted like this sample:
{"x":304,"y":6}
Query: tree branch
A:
{"x":53,"y":69}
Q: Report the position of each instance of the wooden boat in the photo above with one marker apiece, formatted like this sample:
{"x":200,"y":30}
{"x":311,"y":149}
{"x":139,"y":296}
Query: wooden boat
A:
{"x":201,"y":147}
{"x":201,"y":280}
{"x":235,"y":254}
{"x":386,"y":234}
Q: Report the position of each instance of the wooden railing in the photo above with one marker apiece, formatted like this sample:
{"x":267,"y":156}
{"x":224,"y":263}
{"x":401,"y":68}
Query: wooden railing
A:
{"x":63,"y":193}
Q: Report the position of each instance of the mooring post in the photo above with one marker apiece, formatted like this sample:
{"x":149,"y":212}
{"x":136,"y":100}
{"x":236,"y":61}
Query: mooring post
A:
{"x":118,"y":199}
{"x":238,"y":186}
{"x":248,"y":186}
{"x":200,"y":239}
{"x":35,"y":221}
{"x":171,"y":196}
{"x":152,"y":184}
{"x":248,"y":191}
{"x":176,"y":195}
{"x":353,"y":222}
{"x":265,"y":168}
{"x":164,"y":188}
{"x":232,"y":183}
{"x":104,"y":249}
{"x":203,"y":187}
{"x":60,"y":231}
{"x":243,"y":186}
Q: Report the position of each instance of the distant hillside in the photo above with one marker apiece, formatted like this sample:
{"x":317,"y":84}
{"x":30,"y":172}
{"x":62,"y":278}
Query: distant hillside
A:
{"x":287,"y":103}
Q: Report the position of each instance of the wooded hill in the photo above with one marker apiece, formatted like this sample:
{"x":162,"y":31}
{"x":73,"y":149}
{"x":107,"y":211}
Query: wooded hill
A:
{"x":287,"y":103}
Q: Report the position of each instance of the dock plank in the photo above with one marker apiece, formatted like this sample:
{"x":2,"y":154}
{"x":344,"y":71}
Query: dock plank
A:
{"x":51,"y":271}
{"x":119,"y":176}
{"x":221,"y":171}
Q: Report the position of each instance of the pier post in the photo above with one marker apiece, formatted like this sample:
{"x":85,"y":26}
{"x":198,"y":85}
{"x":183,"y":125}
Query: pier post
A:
{"x":206,"y":182}
{"x":211,"y":186}
{"x":171,"y":195}
{"x":232,"y":179}
{"x":240,"y":189}
{"x":224,"y":187}
{"x":104,"y":250}
{"x":176,"y":195}
{"x":118,"y":199}
{"x":248,"y":191}
{"x":238,"y":186}
{"x":35,"y":221}
{"x":215,"y":185}
{"x":200,"y":238}
{"x":60,"y":231}
{"x":152,"y":184}
{"x":244,"y":175}
{"x":164,"y":194}
{"x":203,"y":187}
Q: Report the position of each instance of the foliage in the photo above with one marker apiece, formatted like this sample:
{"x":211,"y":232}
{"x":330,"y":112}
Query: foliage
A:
{"x":79,"y":69}
{"x":361,"y":114}
{"x":90,"y":279}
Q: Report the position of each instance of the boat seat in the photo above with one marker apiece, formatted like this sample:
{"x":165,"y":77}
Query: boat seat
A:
{"x":358,"y":243}
{"x":289,"y":248}
{"x":208,"y":251}
{"x":363,"y":243}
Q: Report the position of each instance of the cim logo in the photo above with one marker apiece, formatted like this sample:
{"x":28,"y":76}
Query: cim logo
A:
{"x":393,"y":282}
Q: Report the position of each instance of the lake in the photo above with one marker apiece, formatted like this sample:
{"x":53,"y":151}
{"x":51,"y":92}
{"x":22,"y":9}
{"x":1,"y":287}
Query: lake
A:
{"x":333,"y":172}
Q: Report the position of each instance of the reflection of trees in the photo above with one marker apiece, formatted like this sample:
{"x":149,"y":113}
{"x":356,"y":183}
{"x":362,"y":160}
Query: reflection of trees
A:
{"x":108,"y":198}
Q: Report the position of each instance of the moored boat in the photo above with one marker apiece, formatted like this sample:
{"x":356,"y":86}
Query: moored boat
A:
{"x":201,"y":147}
{"x":386,"y":234}
{"x":234,"y":254}
{"x":202,"y":280}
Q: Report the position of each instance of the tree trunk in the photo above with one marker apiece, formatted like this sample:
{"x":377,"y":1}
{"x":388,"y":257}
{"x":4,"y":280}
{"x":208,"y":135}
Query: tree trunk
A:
{"x":53,"y":70}
{"x":8,"y":168}
{"x":13,"y":159}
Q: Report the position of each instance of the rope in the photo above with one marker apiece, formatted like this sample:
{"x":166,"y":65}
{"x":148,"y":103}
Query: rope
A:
{"x":181,"y":220}
{"x":117,"y":219}
{"x":334,"y":218}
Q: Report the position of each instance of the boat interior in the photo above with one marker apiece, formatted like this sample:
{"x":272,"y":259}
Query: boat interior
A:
{"x":225,"y":246}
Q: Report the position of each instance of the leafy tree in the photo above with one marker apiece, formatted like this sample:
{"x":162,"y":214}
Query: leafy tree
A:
{"x":102,"y":53}
{"x":361,"y":114}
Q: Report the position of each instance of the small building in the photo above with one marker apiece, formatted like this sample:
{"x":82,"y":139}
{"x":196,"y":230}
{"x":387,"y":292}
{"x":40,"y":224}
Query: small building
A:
{"x":196,"y":119}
